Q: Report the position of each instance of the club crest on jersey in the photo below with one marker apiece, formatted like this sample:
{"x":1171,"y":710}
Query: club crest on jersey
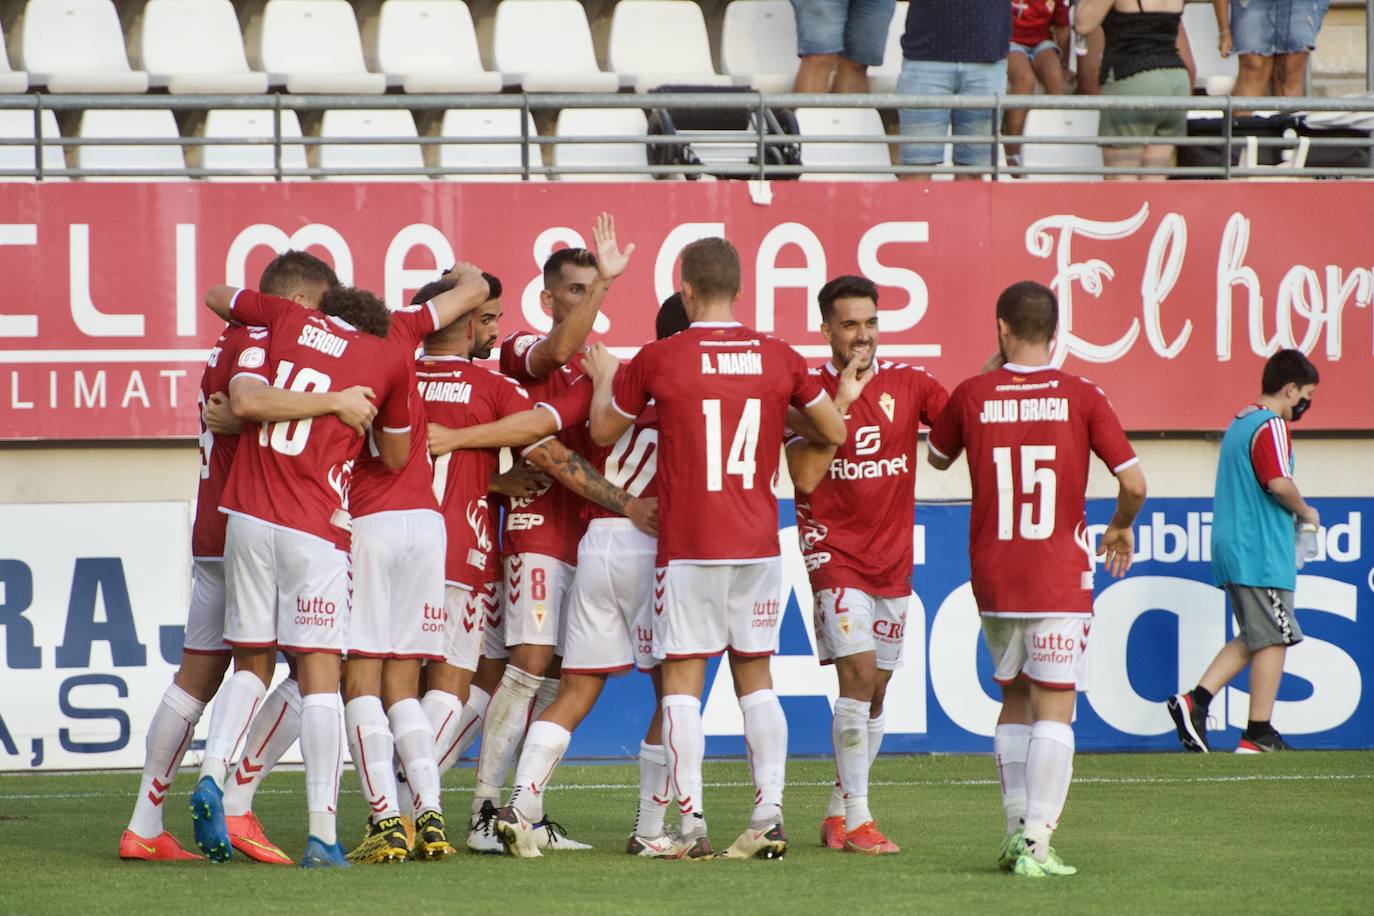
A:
{"x":889,"y":405}
{"x":252,"y":358}
{"x":540,"y":614}
{"x":843,"y":620}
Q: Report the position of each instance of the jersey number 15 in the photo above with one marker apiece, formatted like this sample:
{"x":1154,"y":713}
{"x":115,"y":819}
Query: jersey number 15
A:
{"x":1038,"y":485}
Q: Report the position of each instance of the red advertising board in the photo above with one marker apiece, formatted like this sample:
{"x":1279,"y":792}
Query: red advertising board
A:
{"x":1171,"y":295}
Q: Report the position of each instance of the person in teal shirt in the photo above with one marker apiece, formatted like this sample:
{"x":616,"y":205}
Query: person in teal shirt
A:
{"x":1257,"y":515}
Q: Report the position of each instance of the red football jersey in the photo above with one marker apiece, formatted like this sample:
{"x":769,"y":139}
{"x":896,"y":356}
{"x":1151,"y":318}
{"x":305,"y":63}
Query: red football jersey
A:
{"x":855,"y":527}
{"x":1031,"y":20}
{"x":377,"y":488}
{"x":630,"y":463}
{"x":217,"y":451}
{"x":722,"y":391}
{"x":552,"y":522}
{"x":295,"y":474}
{"x":459,"y":393}
{"x":1028,"y":432}
{"x":1270,"y":452}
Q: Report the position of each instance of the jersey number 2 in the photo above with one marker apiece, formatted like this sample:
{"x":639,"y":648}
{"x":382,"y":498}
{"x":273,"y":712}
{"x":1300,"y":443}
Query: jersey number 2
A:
{"x":740,"y":461}
{"x":1038,"y":484}
{"x":288,"y":436}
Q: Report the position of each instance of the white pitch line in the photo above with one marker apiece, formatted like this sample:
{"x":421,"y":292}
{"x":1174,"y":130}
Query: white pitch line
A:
{"x":892,"y":783}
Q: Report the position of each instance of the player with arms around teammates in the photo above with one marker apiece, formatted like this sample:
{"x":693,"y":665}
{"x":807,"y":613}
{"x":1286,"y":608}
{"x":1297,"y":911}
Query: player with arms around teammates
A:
{"x":855,"y":506}
{"x":1028,"y":429}
{"x":721,"y":391}
{"x":286,"y":576}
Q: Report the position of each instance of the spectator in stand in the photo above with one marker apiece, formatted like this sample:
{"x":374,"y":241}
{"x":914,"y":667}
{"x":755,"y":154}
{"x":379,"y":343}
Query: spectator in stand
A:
{"x":1273,"y":39}
{"x":838,"y":40}
{"x":1140,"y":57}
{"x":1039,"y":48}
{"x":952,"y":47}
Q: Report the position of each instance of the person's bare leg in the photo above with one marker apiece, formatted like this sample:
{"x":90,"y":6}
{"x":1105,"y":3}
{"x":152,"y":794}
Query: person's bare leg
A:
{"x":1266,"y":670}
{"x":1020,"y":81}
{"x":850,"y":76}
{"x":1290,"y":74}
{"x":1229,"y":661}
{"x":1156,"y":156}
{"x":1253,"y":77}
{"x":813,"y":72}
{"x":1122,"y":157}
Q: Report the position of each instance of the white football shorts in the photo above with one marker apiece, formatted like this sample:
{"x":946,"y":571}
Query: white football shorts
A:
{"x":537,"y":589}
{"x":284,"y":588}
{"x":1050,"y":651}
{"x":494,"y":622}
{"x":611,"y":608}
{"x":848,"y":621}
{"x":398,"y":585}
{"x":205,"y":617}
{"x":708,"y":608}
{"x":467,"y":612}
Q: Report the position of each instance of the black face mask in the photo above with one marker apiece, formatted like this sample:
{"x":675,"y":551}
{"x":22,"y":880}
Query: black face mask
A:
{"x":1300,"y":408}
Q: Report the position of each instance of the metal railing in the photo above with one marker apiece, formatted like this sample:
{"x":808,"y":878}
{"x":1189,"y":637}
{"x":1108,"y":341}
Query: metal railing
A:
{"x":752,"y":145}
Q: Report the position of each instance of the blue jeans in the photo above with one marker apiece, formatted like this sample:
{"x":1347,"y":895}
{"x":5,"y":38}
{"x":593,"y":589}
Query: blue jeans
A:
{"x":856,"y":29}
{"x":1269,"y":27}
{"x":937,"y":77}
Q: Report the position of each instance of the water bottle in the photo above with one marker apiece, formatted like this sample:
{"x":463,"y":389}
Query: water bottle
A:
{"x":1307,"y":543}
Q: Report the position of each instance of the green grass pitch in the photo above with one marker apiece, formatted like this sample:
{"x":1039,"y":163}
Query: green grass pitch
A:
{"x":1157,"y":833}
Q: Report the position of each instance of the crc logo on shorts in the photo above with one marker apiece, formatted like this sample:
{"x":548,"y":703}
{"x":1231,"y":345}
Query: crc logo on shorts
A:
{"x":888,"y":631}
{"x":315,"y":612}
{"x":867,"y":440}
{"x":765,"y":614}
{"x":252,"y":358}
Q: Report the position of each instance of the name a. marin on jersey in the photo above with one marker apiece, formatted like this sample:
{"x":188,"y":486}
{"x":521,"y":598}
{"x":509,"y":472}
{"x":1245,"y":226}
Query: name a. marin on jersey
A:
{"x":317,"y":338}
{"x":1025,"y":410}
{"x":732,"y":364}
{"x":447,"y":392}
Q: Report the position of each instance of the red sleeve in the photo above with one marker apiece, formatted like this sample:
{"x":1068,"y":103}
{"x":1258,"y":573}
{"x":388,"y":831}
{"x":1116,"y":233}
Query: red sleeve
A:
{"x":630,"y":393}
{"x":934,"y":397}
{"x":1060,"y":17}
{"x":252,"y":307}
{"x":411,"y":325}
{"x":393,"y":414}
{"x":515,"y":354}
{"x":947,"y":432}
{"x":1269,"y":451}
{"x":1105,"y":435}
{"x":806,"y":387}
{"x":511,"y":398}
{"x":574,"y":406}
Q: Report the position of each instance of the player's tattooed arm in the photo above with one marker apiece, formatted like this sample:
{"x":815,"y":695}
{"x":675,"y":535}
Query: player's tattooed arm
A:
{"x":254,"y":400}
{"x":517,"y":429}
{"x":219,"y":298}
{"x":573,"y":471}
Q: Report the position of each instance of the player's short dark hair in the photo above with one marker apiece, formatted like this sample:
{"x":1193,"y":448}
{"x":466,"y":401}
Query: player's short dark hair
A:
{"x":440,"y":286}
{"x":672,"y":317}
{"x":358,"y":307}
{"x":1288,"y":366}
{"x":295,"y":270}
{"x":553,"y":266}
{"x":845,"y":286}
{"x":712,"y":267}
{"x":1030,"y":310}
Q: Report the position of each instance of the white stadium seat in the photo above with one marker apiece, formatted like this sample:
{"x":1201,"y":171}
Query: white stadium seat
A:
{"x":1215,"y":73}
{"x":845,"y":122}
{"x":602,"y":122}
{"x":10,"y":80}
{"x":146,"y":124}
{"x":883,"y":78}
{"x":657,"y":42}
{"x":356,"y":157}
{"x":18,"y":125}
{"x":431,"y":46}
{"x":1047,"y":122}
{"x":546,"y":46}
{"x":314,"y":45}
{"x":486,"y":122}
{"x":76,"y":46}
{"x":243,"y":124}
{"x":196,"y":46}
{"x":758,"y":41}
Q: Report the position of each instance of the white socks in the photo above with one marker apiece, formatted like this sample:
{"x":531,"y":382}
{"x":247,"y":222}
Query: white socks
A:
{"x":685,"y":743}
{"x":321,"y":747}
{"x":234,"y":707}
{"x":275,"y":727}
{"x":507,"y":717}
{"x":547,"y":692}
{"x":545,"y":744}
{"x":849,"y":734}
{"x":655,"y":790}
{"x":1011,"y":746}
{"x":444,"y":712}
{"x":371,"y":747}
{"x":414,"y":739}
{"x":876,"y":725}
{"x":169,"y":734}
{"x":470,"y":722}
{"x":765,"y":737}
{"x":1049,"y":767}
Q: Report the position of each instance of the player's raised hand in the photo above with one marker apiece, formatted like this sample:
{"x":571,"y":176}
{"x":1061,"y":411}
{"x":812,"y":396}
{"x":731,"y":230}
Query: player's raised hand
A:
{"x":599,"y":362}
{"x":521,"y":482}
{"x":643,"y":512}
{"x":466,"y":273}
{"x":218,"y":416}
{"x":1116,"y":548}
{"x":610,"y":260}
{"x":855,"y":377}
{"x":354,"y":407}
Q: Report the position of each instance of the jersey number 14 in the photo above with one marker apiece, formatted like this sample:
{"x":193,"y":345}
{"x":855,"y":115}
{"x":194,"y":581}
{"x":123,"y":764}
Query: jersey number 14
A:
{"x":743,"y":445}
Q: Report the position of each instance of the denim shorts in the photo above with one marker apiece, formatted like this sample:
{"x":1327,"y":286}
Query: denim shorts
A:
{"x":1048,"y":44}
{"x":937,"y":77}
{"x":1269,"y":27}
{"x":856,"y":29}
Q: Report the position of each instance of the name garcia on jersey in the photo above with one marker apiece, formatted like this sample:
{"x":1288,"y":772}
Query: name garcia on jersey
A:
{"x":1013,"y":410}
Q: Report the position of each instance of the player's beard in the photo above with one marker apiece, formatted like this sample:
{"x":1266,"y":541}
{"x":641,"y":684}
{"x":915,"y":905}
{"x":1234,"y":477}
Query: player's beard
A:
{"x":483,"y":349}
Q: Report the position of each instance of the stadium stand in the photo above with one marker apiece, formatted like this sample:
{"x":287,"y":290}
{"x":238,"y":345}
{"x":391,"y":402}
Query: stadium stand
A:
{"x":485,"y":122}
{"x":76,"y":46}
{"x":601,"y":122}
{"x":10,"y":80}
{"x":844,"y":122}
{"x":360,"y":124}
{"x":18,"y":125}
{"x":245,"y":124}
{"x":190,"y":46}
{"x":1045,"y":122}
{"x":758,"y":42}
{"x":546,"y":46}
{"x":657,"y":42}
{"x":1214,"y":74}
{"x":430,"y":46}
{"x":314,"y":46}
{"x":124,"y":124}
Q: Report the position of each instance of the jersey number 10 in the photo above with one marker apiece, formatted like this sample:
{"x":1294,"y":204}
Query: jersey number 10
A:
{"x":288,"y":436}
{"x":740,"y":461}
{"x":1038,"y":484}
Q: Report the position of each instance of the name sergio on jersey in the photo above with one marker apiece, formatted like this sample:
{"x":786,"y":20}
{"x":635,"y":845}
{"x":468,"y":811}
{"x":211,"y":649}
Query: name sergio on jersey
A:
{"x":317,"y":338}
{"x":1012,"y":410}
{"x":867,"y":441}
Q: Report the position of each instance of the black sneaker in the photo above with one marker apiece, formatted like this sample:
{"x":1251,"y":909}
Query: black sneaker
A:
{"x":1272,"y":741}
{"x":430,"y":840}
{"x":1191,"y":722}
